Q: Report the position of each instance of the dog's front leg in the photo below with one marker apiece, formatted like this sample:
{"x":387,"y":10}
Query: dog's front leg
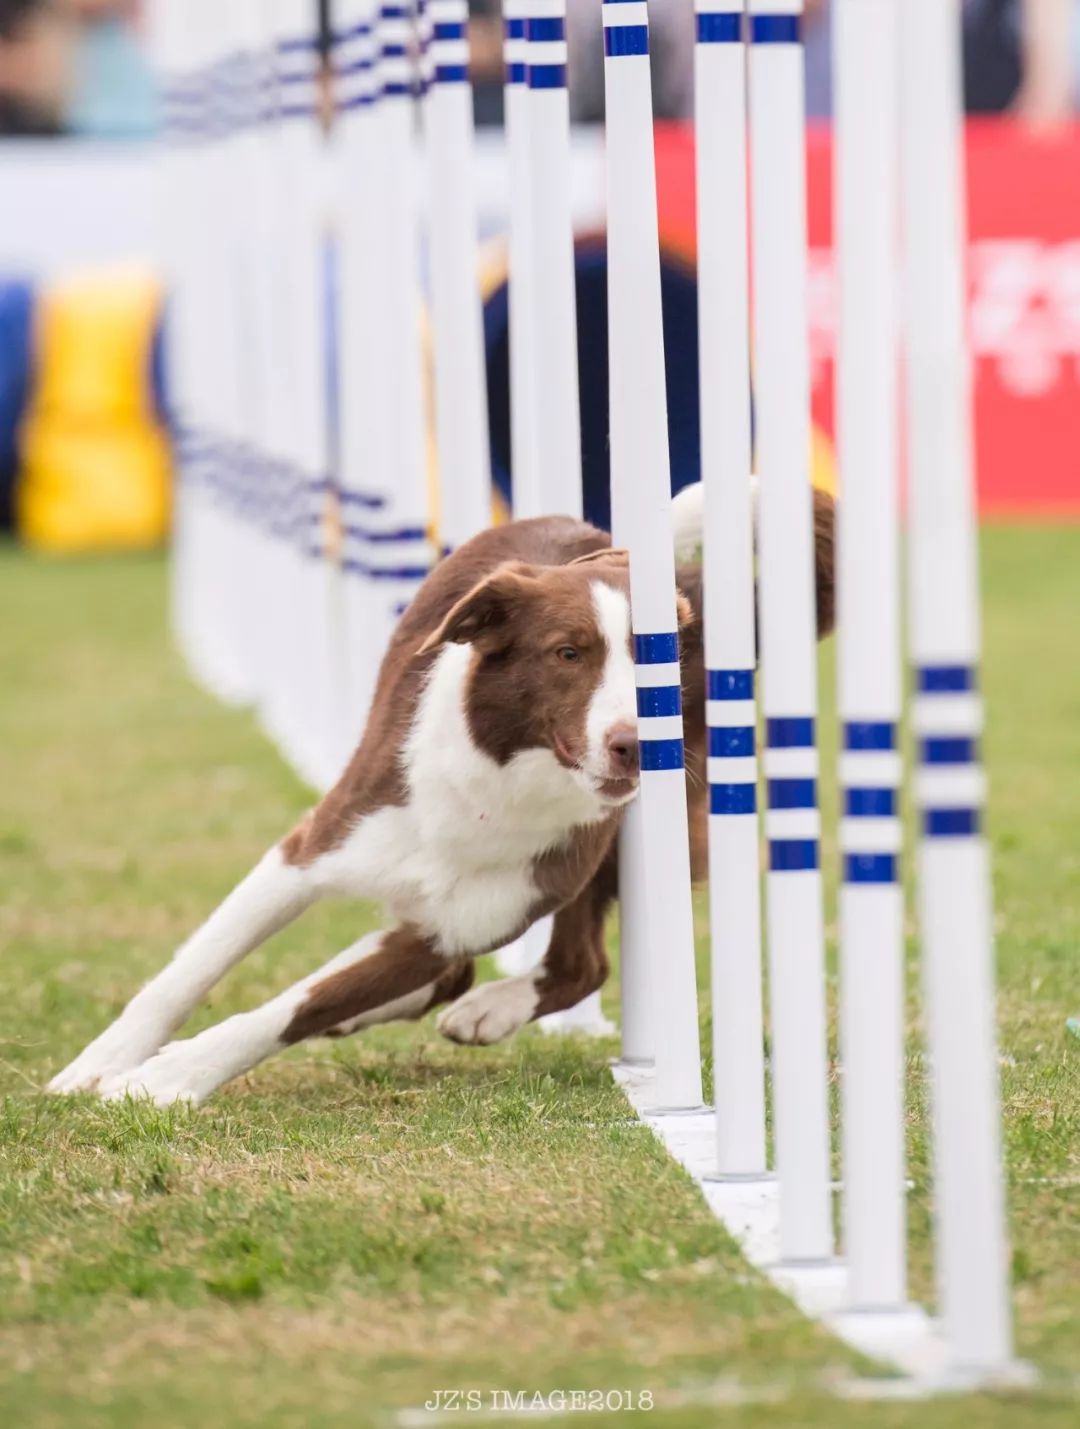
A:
{"x":383,"y":977}
{"x":574,"y":965}
{"x":272,"y":895}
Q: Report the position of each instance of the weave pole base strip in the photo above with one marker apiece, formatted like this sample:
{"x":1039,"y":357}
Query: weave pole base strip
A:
{"x":908,"y":1341}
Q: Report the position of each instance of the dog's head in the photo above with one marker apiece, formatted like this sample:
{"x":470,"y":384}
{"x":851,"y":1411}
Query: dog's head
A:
{"x":553,"y":668}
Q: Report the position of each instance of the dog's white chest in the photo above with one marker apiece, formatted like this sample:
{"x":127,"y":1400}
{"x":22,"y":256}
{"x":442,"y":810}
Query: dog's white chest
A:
{"x":457,"y":859}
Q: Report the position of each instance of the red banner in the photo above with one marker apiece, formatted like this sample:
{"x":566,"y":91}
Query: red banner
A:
{"x":1024,"y":300}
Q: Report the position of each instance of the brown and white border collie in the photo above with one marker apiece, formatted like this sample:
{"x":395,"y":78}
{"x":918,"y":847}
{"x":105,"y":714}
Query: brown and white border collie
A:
{"x":487,"y":791}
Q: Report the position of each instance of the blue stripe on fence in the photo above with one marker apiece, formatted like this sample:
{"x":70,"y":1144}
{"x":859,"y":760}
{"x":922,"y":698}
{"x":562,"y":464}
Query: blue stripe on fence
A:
{"x":729,"y":685}
{"x":731,"y":741}
{"x":448,"y":30}
{"x":660,"y":649}
{"x":775,"y":29}
{"x":790,"y":732}
{"x":398,"y":90}
{"x":720,"y":28}
{"x":515,"y":74}
{"x":878,"y":803}
{"x":386,"y":573}
{"x":407,"y":533}
{"x":732,"y":799}
{"x":661,"y":754}
{"x":792,"y":793}
{"x":950,"y":823}
{"x":515,"y":29}
{"x":870,"y":867}
{"x":658,"y":700}
{"x":951,"y":749}
{"x":869,"y":735}
{"x":622,"y":40}
{"x":545,"y":29}
{"x":451,"y":74}
{"x":944,"y":679}
{"x":792,"y":855}
{"x":546,"y":76}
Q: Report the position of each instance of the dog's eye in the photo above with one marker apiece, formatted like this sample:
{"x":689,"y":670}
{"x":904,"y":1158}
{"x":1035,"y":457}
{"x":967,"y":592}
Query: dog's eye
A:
{"x":567,"y":653}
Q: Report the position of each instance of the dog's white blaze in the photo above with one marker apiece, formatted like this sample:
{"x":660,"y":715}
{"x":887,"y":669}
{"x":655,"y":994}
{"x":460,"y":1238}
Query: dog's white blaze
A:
{"x":615,"y":700}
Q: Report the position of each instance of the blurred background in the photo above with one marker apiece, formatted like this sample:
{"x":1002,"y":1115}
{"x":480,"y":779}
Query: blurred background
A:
{"x":84,"y":451}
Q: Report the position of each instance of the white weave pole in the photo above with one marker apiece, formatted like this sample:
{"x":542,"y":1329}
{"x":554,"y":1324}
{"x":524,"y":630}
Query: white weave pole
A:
{"x":364,"y":326}
{"x":556,"y":434}
{"x":402,"y":562}
{"x":522,"y":288}
{"x":871,"y":901}
{"x":544,"y":361}
{"x":789,"y":656}
{"x":953,"y":865}
{"x":461,"y":412}
{"x":641,"y":509}
{"x":730,"y":658}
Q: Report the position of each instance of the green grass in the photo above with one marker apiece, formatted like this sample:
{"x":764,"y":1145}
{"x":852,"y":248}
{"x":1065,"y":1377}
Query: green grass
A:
{"x":357,"y":1224}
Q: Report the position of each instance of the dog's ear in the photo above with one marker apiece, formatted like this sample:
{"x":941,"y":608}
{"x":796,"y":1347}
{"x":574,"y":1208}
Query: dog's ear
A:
{"x":825,"y":561}
{"x":484,"y":611}
{"x":614,"y":554}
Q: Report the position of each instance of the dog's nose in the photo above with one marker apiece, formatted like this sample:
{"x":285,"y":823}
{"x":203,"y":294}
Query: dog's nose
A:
{"x":622,"y":747}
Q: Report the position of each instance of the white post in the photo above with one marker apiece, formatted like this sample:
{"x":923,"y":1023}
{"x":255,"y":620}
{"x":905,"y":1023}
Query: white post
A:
{"x":954,"y":874}
{"x":522,"y":287}
{"x":461,"y":413}
{"x":557,"y":431}
{"x":545,"y":411}
{"x":793,"y":884}
{"x":641,"y":506}
{"x":871,"y":901}
{"x":365,"y":335}
{"x":404,"y":557}
{"x":730,"y":658}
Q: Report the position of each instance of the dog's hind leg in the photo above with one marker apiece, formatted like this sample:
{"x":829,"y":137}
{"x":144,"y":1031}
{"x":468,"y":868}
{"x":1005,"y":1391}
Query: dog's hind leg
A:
{"x":272,"y":895}
{"x":384,"y":977}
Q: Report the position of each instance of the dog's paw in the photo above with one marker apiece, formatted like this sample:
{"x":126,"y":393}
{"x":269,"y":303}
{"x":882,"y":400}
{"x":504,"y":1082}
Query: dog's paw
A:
{"x":172,"y":1075}
{"x":491,"y":1012}
{"x":119,"y":1049}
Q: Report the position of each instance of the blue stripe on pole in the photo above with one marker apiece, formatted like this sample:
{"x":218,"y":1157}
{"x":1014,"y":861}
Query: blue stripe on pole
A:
{"x":394,"y":12}
{"x":775,"y":29}
{"x":790,"y":732}
{"x":451,"y":74}
{"x":621,"y":40}
{"x":397,"y":90}
{"x":661,"y":754}
{"x":722,"y":28}
{"x":515,"y":29}
{"x":546,"y":76}
{"x":659,"y":700}
{"x":515,"y":73}
{"x":792,"y":855}
{"x":732,"y":799}
{"x":448,"y":30}
{"x":792,"y":793}
{"x":545,"y":29}
{"x":358,"y":31}
{"x":395,"y":52}
{"x":944,"y":679}
{"x":870,"y":867}
{"x":656,"y":649}
{"x":953,"y":749}
{"x":729,"y":685}
{"x":950,"y":823}
{"x":731,"y":741}
{"x":869,"y":803}
{"x":361,"y":533}
{"x":869,"y":735}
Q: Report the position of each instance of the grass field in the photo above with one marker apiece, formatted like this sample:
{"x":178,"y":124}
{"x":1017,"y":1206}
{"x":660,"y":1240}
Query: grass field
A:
{"x":358,"y":1224}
